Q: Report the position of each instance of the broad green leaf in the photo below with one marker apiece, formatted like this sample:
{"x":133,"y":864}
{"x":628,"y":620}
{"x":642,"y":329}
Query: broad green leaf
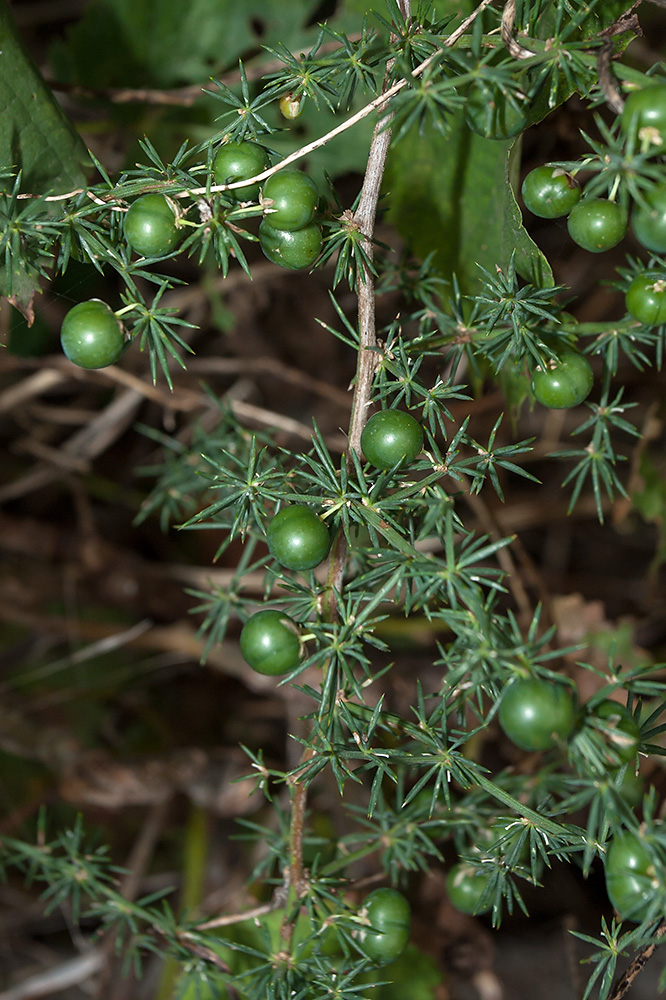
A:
{"x":20,"y":287}
{"x":144,"y":43}
{"x":530,"y":262}
{"x":37,"y":139}
{"x":453,"y":195}
{"x":36,"y":136}
{"x":650,"y":501}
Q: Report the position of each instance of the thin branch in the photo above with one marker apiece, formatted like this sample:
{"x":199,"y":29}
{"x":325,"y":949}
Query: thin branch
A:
{"x":508,"y":17}
{"x":61,"y":977}
{"x":375,"y":105}
{"x":627,"y":22}
{"x":364,"y":220}
{"x":297,"y":881}
{"x":183,"y":97}
{"x":642,"y":958}
{"x":232,"y":918}
{"x":614,"y":98}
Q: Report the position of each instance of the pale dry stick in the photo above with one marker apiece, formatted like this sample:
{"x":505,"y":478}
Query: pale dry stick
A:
{"x":184,"y":296}
{"x":85,"y":444}
{"x":233,"y":918}
{"x":201,"y":576}
{"x":187,"y":400}
{"x":247,"y":411}
{"x":270,"y":366}
{"x":54,"y":457}
{"x":62,"y":977}
{"x":177,"y":96}
{"x":110,"y":643}
{"x":178,"y":399}
{"x":364,"y":219}
{"x":35,"y":385}
{"x":69,"y":417}
{"x":508,"y":17}
{"x":374,"y":105}
{"x":181,"y":639}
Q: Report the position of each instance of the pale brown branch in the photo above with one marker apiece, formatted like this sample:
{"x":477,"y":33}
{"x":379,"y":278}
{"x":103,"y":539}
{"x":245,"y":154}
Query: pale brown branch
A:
{"x":642,"y":958}
{"x":506,"y":29}
{"x":375,"y":105}
{"x":233,"y":918}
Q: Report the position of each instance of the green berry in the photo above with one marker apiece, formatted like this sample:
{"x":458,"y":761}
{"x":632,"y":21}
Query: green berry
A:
{"x":386,"y":934}
{"x":298,"y":538}
{"x":649,"y":220}
{"x":644,"y":116}
{"x":290,"y":200}
{"x":597,"y":224}
{"x":550,"y":192}
{"x":564,"y":383}
{"x":646,"y":298}
{"x":238,"y":161}
{"x":390,"y":437}
{"x":91,"y":336}
{"x":535,"y":714}
{"x":293,"y":250}
{"x":150,"y":226}
{"x":270,"y":643}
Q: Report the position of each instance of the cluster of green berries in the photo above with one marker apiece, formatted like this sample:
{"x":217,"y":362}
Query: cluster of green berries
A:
{"x":92,"y":335}
{"x":536,"y":715}
{"x":299,"y":540}
{"x":288,"y":234}
{"x":598,"y":224}
{"x":635,"y":878}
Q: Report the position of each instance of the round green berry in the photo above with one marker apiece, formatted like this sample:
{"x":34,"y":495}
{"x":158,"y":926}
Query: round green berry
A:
{"x":623,"y":733}
{"x":644,"y":116}
{"x":535,"y":713}
{"x":290,"y":200}
{"x":466,"y":887}
{"x":597,"y":224}
{"x":298,"y":538}
{"x":386,"y":934}
{"x":150,"y":226}
{"x":293,"y":250}
{"x":91,"y":336}
{"x":390,"y":437}
{"x":649,"y":220}
{"x":270,"y":643}
{"x":550,"y":192}
{"x":564,"y":383}
{"x":646,"y":298}
{"x":238,"y":161}
{"x":631,"y":880}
